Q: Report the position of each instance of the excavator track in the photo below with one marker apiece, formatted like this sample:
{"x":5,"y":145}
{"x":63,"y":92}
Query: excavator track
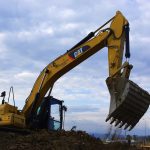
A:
{"x":128,"y":104}
{"x":15,"y":130}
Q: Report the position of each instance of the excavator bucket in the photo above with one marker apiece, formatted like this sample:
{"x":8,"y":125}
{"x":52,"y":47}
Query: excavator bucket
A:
{"x":128,"y":102}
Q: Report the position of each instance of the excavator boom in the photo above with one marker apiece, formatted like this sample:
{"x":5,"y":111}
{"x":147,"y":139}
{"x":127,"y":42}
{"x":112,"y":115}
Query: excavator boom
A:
{"x":113,"y":38}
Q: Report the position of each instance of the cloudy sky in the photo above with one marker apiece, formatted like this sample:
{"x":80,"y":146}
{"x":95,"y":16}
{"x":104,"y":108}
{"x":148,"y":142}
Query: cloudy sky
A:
{"x":35,"y":32}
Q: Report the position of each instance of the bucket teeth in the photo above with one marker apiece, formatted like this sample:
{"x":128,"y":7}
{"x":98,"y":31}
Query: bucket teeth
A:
{"x":122,"y":124}
{"x":126,"y":126}
{"x":128,"y":102}
{"x":117,"y":122}
{"x":108,"y":118}
{"x":131,"y":128}
{"x":112,"y":121}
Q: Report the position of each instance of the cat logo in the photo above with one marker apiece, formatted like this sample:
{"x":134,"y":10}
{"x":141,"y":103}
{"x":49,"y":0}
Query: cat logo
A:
{"x":78,"y":52}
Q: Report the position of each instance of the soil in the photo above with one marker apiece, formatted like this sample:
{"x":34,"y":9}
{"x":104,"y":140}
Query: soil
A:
{"x":60,"y":140}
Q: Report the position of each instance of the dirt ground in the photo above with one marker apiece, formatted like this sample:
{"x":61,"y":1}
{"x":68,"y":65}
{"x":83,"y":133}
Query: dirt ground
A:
{"x":61,"y":140}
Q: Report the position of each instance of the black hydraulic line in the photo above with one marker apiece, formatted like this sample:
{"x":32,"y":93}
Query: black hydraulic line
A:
{"x":90,"y":35}
{"x":46,"y":72}
{"x":50,"y":90}
{"x":127,"y":53}
{"x":103,"y":25}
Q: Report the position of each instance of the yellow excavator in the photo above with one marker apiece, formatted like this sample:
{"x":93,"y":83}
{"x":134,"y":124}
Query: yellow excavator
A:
{"x":128,"y":102}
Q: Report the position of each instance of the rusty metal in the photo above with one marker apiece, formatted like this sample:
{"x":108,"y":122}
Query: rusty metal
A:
{"x":128,"y":103}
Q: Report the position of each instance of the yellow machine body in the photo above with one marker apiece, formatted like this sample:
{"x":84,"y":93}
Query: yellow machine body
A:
{"x":11,"y":117}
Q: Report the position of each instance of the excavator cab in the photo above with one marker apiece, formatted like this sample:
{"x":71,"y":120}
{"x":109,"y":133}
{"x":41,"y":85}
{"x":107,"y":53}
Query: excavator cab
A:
{"x":128,"y":102}
{"x":45,"y":116}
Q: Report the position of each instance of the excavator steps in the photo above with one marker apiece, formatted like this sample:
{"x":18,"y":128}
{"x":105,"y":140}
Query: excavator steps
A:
{"x":128,"y":104}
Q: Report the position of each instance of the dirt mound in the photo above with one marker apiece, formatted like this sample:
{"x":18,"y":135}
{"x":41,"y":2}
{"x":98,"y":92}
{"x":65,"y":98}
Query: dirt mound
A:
{"x":61,"y":140}
{"x":43,"y":140}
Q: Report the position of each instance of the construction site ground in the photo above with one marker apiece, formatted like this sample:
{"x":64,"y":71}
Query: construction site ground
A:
{"x":56,"y":140}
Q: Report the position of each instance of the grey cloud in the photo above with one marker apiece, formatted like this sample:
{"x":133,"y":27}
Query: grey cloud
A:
{"x":85,"y":108}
